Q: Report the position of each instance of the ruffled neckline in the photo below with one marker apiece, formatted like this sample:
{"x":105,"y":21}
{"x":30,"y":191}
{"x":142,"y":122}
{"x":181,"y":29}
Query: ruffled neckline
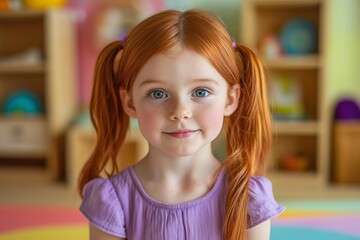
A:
{"x":182,"y":205}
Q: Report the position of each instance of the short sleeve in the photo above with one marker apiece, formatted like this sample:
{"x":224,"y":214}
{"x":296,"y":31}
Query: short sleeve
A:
{"x":262,"y":205}
{"x":101,"y":206}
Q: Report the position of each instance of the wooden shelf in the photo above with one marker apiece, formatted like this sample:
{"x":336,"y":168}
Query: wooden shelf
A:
{"x":293,"y":178}
{"x":51,"y":79}
{"x":21,"y":14}
{"x":296,"y":127}
{"x":301,"y":140}
{"x":39,"y":118}
{"x":293,"y":62}
{"x":291,"y":174}
{"x":308,"y":185}
{"x":23,"y":155}
{"x":285,"y":3}
{"x":22,"y":69}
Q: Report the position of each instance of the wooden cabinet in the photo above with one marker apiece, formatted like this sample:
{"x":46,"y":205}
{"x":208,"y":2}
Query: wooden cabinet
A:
{"x":37,"y":57}
{"x":300,"y":149}
{"x":81,"y":142}
{"x":346,"y":152}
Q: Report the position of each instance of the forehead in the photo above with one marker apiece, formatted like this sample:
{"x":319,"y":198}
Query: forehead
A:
{"x":177,"y":64}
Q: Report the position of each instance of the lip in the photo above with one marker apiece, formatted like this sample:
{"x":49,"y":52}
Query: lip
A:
{"x":181,"y":133}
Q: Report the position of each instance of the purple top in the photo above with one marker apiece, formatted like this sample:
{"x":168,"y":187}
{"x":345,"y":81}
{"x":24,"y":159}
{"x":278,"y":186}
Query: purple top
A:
{"x":120,"y":206}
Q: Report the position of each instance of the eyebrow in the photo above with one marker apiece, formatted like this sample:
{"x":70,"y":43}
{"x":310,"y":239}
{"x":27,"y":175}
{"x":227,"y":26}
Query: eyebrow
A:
{"x":208,"y":80}
{"x":149,"y":81}
{"x":152,"y":81}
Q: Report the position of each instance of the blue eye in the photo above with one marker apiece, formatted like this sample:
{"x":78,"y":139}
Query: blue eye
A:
{"x":201,"y":93}
{"x":158,"y":94}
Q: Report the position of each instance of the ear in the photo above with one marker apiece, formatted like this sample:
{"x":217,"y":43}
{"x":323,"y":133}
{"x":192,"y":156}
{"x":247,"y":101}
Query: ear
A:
{"x":127,"y":103}
{"x":232,"y":101}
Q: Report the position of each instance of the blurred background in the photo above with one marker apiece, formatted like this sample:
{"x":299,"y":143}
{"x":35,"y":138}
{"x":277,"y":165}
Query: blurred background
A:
{"x":310,"y":49}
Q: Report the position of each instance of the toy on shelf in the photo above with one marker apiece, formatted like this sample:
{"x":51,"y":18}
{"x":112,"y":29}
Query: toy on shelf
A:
{"x":29,"y":57}
{"x":22,"y":103}
{"x":43,"y":4}
{"x":347,"y":110}
{"x":13,"y":5}
{"x":112,"y":24}
{"x":298,"y":37}
{"x":294,"y":162}
{"x":286,"y":98}
{"x":270,"y":46}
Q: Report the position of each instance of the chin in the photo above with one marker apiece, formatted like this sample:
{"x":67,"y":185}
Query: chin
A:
{"x":183,"y":152}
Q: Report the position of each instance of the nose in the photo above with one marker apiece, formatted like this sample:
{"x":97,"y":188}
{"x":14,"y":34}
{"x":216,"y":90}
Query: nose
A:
{"x":180,"y":111}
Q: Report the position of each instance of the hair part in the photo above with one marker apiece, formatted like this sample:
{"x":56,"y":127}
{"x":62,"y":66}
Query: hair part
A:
{"x":248,"y":132}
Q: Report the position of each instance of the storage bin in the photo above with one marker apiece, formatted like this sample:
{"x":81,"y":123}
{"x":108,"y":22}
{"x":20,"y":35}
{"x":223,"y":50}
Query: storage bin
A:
{"x":23,"y":136}
{"x":346,"y":167}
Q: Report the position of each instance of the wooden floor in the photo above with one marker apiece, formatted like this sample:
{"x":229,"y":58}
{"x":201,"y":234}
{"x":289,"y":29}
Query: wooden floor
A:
{"x":30,"y":185}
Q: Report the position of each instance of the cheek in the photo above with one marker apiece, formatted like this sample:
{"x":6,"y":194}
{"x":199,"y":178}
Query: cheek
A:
{"x":148,"y":120}
{"x":213,"y":118}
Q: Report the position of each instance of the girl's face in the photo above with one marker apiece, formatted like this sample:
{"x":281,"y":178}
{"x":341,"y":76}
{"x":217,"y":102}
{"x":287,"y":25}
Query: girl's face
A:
{"x":180,"y":101}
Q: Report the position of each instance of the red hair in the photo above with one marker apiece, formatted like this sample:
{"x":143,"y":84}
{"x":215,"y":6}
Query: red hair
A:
{"x":248,"y":129}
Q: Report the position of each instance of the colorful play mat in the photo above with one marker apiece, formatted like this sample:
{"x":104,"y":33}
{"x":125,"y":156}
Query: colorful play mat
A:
{"x":42,"y":223}
{"x":320,"y":220}
{"x":329,"y":220}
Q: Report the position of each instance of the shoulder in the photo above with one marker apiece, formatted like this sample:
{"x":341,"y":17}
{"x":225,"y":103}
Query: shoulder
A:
{"x":261,"y":206}
{"x":102,"y":204}
{"x":107,"y":187}
{"x":260,"y":186}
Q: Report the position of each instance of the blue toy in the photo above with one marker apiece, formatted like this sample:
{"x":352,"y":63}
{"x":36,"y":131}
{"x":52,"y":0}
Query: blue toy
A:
{"x":22,"y":103}
{"x":299,"y":36}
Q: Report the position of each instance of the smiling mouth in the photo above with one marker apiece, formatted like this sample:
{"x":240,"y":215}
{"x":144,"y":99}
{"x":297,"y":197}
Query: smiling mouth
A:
{"x":181,"y":134}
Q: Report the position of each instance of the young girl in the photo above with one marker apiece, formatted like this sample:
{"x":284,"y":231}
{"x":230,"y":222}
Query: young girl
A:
{"x":185,"y":81}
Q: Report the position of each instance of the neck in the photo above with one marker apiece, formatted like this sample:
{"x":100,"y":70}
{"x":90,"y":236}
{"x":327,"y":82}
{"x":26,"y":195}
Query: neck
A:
{"x":174,"y":179}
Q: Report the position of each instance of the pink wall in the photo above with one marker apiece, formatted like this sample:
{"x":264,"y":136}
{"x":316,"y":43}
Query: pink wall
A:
{"x":87,"y":49}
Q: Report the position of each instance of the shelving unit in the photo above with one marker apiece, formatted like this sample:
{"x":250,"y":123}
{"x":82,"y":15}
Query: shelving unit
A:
{"x":52,"y":79}
{"x":308,"y":136}
{"x":81,"y":139}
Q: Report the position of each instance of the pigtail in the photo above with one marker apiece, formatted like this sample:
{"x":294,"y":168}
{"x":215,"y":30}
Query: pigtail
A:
{"x":248,"y":141}
{"x":258,"y":124}
{"x":107,"y":115}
